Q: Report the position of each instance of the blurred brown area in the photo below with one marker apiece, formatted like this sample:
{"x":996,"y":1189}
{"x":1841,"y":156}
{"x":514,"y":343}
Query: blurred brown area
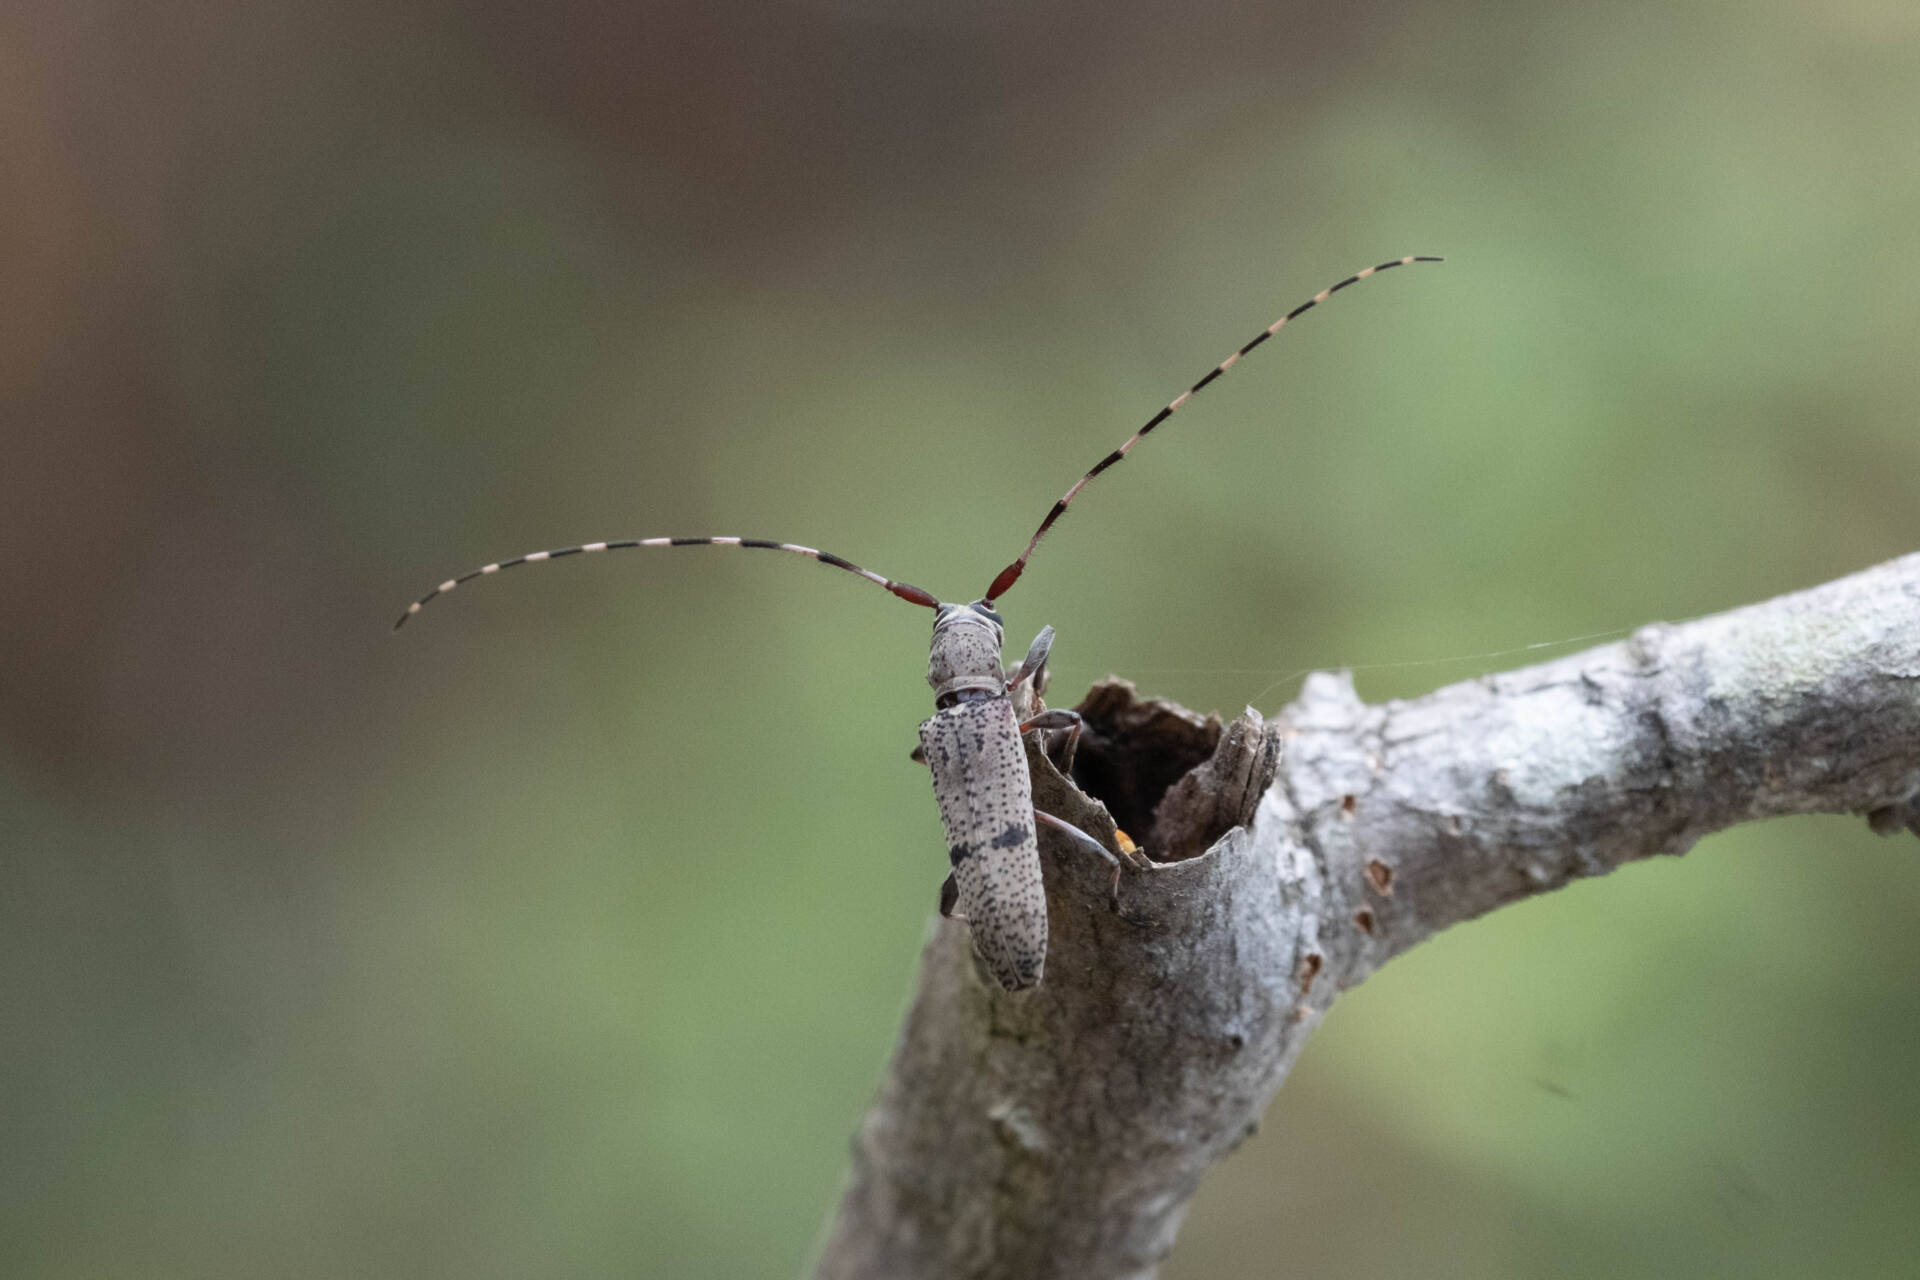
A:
{"x":567,"y":932}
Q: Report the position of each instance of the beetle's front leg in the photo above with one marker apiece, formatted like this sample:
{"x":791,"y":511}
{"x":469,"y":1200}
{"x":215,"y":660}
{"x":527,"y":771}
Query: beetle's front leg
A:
{"x":1034,"y":666}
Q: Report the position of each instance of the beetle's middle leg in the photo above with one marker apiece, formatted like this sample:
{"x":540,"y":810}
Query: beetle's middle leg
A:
{"x":1133,"y":858}
{"x":1059,"y":750}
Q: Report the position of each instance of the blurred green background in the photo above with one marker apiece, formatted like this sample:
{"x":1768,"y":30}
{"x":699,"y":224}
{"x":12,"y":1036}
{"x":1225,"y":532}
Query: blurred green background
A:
{"x":567,"y":933}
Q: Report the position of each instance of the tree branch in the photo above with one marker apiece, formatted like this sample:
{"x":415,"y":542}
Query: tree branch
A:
{"x":1062,"y":1133}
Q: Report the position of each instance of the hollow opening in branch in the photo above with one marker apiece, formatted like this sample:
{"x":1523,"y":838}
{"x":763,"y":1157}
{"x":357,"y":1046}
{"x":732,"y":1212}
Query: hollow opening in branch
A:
{"x":1173,"y":779}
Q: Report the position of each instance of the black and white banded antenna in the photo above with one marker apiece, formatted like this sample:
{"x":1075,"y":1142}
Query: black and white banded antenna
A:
{"x":974,"y":744}
{"x":906,"y":591}
{"x":1011,"y":574}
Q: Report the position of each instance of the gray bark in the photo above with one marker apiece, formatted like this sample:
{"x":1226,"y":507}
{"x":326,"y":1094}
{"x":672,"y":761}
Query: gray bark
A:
{"x":1062,"y":1132}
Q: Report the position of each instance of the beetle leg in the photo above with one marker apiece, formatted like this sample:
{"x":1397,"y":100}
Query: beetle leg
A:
{"x":1035,"y":663}
{"x":1059,"y":750}
{"x":949,"y":895}
{"x":1087,"y":842}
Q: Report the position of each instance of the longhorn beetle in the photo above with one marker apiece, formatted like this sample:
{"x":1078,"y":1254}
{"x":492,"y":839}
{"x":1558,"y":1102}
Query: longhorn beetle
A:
{"x":972,"y":741}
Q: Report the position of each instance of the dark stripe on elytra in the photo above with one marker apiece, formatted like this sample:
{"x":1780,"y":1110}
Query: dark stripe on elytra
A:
{"x":1013,"y":837}
{"x":959,"y":853}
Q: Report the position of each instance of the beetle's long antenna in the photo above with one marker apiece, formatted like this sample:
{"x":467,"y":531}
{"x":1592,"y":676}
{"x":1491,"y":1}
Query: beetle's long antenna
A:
{"x":1011,"y":574}
{"x":911,"y":594}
